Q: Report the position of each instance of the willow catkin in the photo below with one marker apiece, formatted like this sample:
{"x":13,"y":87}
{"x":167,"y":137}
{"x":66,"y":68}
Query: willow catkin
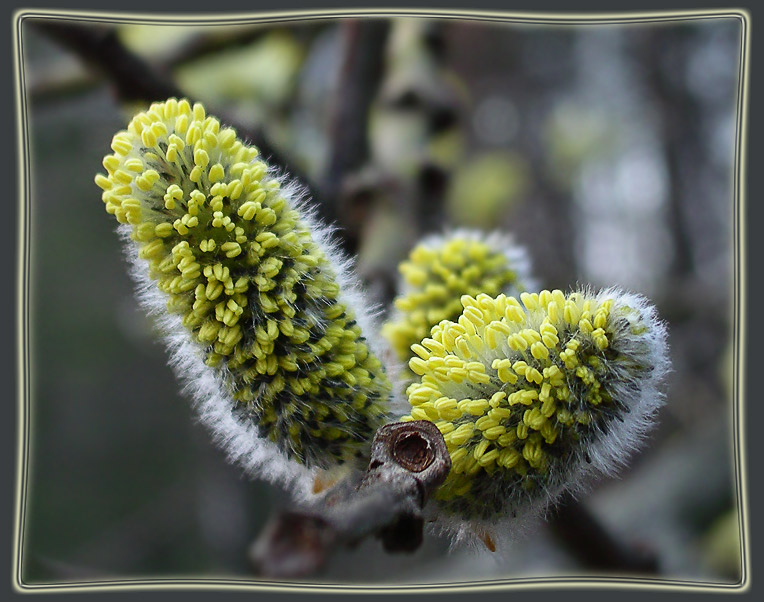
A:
{"x":533,"y":395}
{"x":442,"y":268}
{"x":259,"y":310}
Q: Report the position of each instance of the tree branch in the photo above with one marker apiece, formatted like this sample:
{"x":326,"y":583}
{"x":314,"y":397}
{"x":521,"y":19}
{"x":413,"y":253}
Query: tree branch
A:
{"x":409,"y":460}
{"x":100,"y":47}
{"x":205,"y":44}
{"x":136,"y":80}
{"x":360,"y":76}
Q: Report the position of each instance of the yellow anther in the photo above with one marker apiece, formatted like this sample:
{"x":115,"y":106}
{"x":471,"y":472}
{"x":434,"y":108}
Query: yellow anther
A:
{"x":468,"y":301}
{"x":172,"y":153}
{"x":181,"y":125}
{"x":508,"y":458}
{"x":201,"y":158}
{"x":170,"y":109}
{"x":496,"y":398}
{"x":539,"y":351}
{"x":489,"y":458}
{"x":163,"y":230}
{"x":517,"y":342}
{"x":134,"y":165}
{"x":210,"y":139}
{"x":159,"y":129}
{"x":121,"y":144}
{"x":152,"y":249}
{"x":180,"y":227}
{"x":122,"y":177}
{"x":148,"y":137}
{"x":216,"y":172}
{"x":235,"y":189}
{"x":559,"y":299}
{"x":462,"y":434}
{"x":194,"y":134}
{"x":548,"y":407}
{"x":231,"y":249}
{"x":571,"y":313}
{"x":226,"y":138}
{"x":420,"y":351}
{"x":480,"y":448}
{"x":530,"y":300}
{"x":199,"y":112}
{"x":445,"y":427}
{"x":600,"y":339}
{"x":418,"y":366}
{"x":534,"y":376}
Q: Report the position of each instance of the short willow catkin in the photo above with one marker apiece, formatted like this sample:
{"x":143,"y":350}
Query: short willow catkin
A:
{"x":255,"y":286}
{"x":442,"y":268}
{"x":532,"y":396}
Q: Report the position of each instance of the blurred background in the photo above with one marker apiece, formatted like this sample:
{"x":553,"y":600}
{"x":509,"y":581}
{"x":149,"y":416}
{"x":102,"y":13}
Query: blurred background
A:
{"x":606,"y":149}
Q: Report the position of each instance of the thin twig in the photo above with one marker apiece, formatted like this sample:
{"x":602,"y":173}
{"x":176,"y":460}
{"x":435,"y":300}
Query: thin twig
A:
{"x":205,"y":44}
{"x":196,"y":47}
{"x":135,"y":79}
{"x":100,"y":47}
{"x":409,"y":460}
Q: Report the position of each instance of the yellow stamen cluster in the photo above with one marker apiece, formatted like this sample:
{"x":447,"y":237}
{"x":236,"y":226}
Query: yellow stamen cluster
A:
{"x":520,"y":388}
{"x":256,"y":293}
{"x":436,"y":276}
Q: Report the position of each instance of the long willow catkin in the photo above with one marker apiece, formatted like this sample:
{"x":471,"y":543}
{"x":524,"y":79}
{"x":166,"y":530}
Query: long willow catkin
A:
{"x":261,"y":315}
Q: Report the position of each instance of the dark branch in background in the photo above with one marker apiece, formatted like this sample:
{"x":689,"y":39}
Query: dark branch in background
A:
{"x":202,"y":45}
{"x":196,"y":47}
{"x":420,"y":96}
{"x":432,"y":186}
{"x":682,"y":144}
{"x":409,"y":460}
{"x":132,"y":77}
{"x":593,"y":545}
{"x":360,"y":75}
{"x":136,"y":80}
{"x":437,"y":106}
{"x":43,"y":90}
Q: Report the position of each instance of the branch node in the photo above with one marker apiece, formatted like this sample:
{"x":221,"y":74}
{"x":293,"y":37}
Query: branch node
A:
{"x":409,"y":460}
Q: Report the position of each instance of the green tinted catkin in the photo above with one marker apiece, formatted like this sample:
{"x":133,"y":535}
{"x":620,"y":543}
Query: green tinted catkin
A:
{"x":532,"y":395}
{"x":251,"y":288}
{"x":442,"y":268}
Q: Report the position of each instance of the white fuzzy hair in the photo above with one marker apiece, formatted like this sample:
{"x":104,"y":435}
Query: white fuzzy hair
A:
{"x":257,"y":456}
{"x":608,"y":451}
